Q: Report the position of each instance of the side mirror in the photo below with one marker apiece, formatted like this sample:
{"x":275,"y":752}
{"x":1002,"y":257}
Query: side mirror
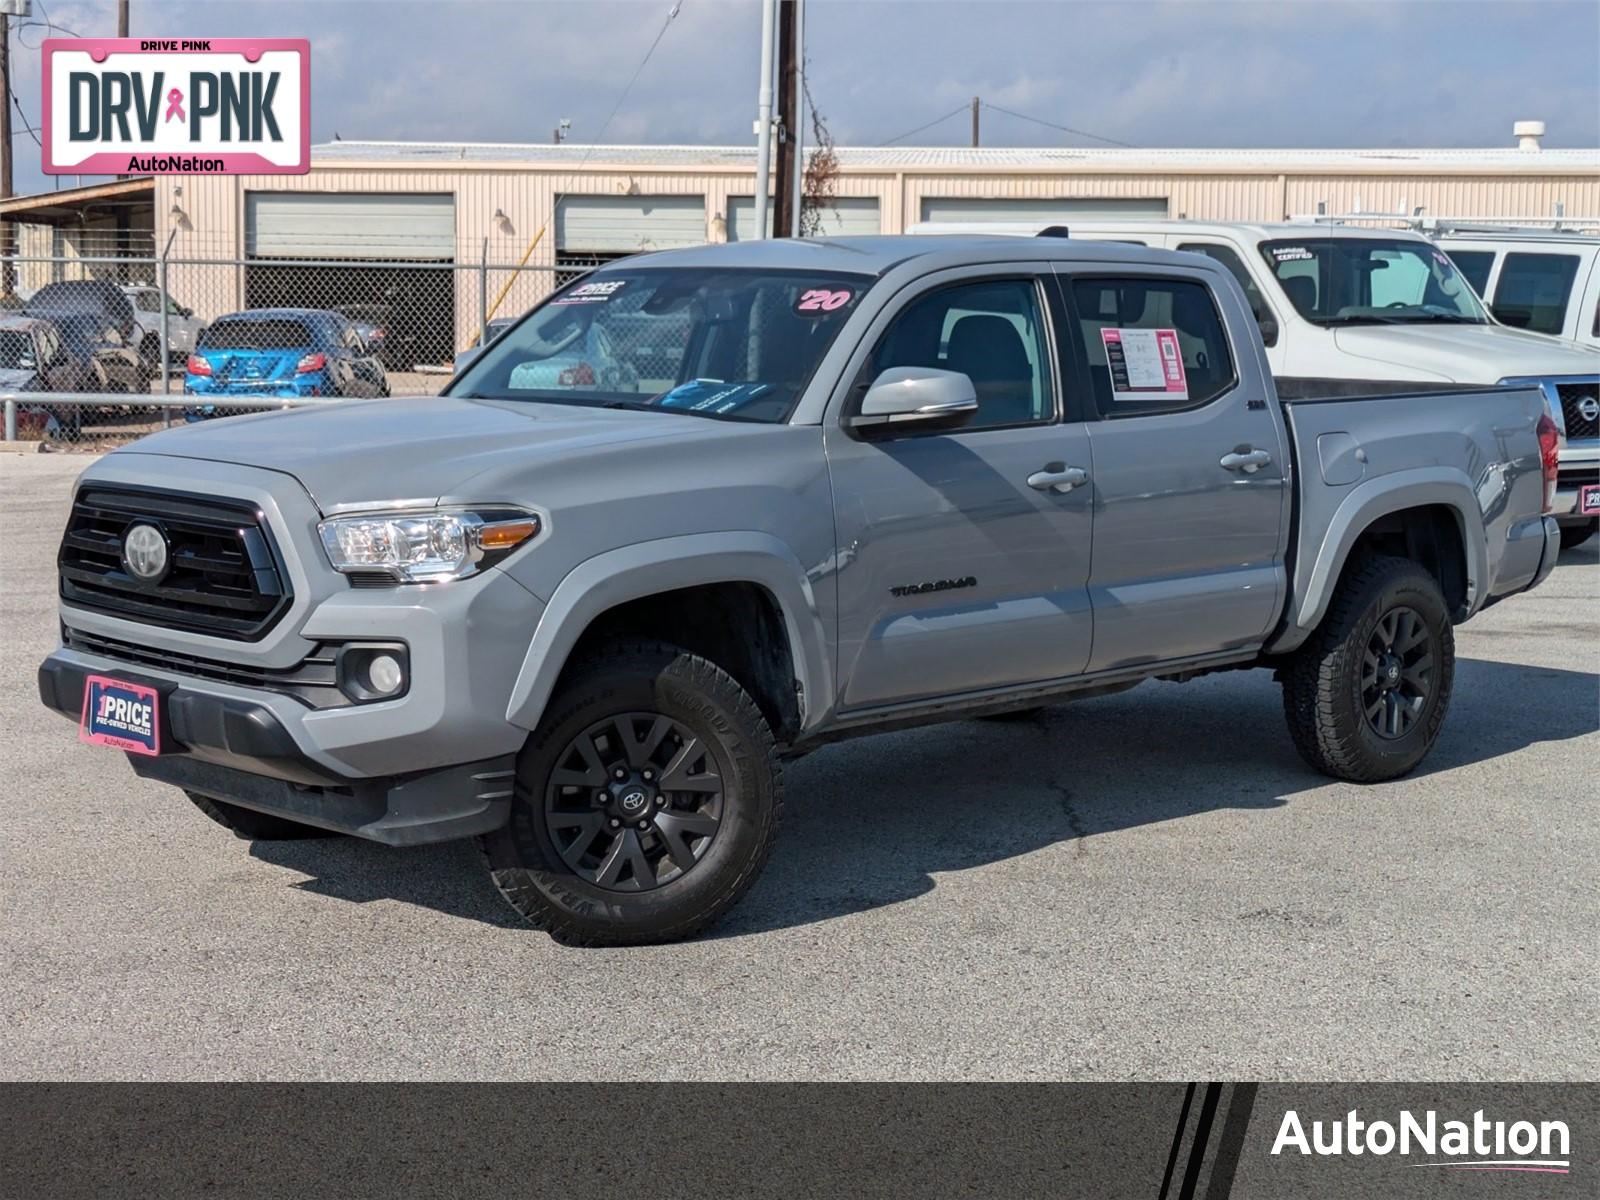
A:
{"x":1269,"y":328}
{"x":920,"y":397}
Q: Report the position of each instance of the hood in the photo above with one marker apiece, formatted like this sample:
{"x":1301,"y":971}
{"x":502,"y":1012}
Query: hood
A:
{"x":1466,"y":354}
{"x":353,"y":454}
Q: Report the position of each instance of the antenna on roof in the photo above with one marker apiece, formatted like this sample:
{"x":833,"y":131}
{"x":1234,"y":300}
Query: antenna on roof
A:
{"x":1054,"y":231}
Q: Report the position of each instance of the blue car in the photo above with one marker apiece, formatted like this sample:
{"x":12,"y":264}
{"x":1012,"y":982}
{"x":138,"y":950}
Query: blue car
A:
{"x":283,"y":353}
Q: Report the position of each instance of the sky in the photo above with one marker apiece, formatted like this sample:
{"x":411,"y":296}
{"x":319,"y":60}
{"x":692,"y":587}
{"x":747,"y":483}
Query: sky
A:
{"x":1149,"y":73}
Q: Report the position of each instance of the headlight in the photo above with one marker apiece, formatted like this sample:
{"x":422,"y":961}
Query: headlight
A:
{"x":425,"y":547}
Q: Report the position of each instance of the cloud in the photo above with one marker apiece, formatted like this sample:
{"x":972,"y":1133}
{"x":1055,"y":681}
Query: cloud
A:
{"x":1176,"y":73}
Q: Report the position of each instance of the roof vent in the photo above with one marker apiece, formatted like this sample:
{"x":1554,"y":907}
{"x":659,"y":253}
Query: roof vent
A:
{"x":1054,"y":231}
{"x":1528,"y":134}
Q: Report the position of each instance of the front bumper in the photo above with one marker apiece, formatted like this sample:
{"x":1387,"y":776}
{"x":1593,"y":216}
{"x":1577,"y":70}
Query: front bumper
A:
{"x":233,"y":748}
{"x":1580,"y":467}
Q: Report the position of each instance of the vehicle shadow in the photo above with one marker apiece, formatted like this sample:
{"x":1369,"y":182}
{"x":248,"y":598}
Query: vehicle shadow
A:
{"x":871,"y":822}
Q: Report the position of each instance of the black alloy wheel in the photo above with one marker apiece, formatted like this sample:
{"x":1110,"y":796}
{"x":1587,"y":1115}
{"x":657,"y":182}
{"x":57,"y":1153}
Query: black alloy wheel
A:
{"x":635,"y":802}
{"x":1397,"y":673}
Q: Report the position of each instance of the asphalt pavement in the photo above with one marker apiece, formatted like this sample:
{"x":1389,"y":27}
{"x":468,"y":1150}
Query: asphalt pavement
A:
{"x":1147,"y":886}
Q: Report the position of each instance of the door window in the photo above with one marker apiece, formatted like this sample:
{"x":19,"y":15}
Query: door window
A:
{"x":147,"y":301}
{"x":1166,"y":311}
{"x":1533,"y":290}
{"x":1475,"y":266}
{"x":993,"y":332}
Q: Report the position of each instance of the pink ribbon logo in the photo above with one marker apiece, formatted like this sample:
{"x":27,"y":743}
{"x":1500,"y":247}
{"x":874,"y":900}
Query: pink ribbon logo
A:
{"x":175,"y":106}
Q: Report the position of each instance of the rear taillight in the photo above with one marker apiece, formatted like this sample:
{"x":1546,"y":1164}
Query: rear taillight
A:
{"x":1549,"y":458}
{"x":197,"y":365}
{"x":310,"y":362}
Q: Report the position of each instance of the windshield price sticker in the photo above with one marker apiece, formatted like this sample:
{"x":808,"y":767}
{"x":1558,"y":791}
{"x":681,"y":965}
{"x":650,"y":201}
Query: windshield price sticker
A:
{"x":1291,"y":253}
{"x":595,"y":292}
{"x":1145,"y":364}
{"x":815,"y":301}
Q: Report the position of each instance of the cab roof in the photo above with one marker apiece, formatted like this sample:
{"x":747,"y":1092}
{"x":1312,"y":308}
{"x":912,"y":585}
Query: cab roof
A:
{"x":876,"y":255}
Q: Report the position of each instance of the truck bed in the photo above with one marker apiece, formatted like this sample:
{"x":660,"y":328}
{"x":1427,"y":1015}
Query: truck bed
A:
{"x":1461,"y":450}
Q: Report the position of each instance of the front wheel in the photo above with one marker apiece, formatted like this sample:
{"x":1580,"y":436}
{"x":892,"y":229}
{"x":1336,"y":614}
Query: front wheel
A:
{"x":647,"y":801}
{"x":1366,"y":696}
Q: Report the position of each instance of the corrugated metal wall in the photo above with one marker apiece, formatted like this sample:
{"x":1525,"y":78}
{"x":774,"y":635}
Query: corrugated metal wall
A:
{"x":523,"y":196}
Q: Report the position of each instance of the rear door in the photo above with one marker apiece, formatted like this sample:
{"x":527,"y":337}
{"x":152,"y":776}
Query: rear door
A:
{"x":955,"y":572}
{"x":1191,"y":490}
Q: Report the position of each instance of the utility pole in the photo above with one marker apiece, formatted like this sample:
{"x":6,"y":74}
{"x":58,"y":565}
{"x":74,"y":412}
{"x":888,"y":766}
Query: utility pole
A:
{"x":976,"y":105}
{"x":788,"y":120}
{"x":797,"y":133}
{"x":8,"y":277}
{"x":764,"y":120}
{"x":122,"y":18}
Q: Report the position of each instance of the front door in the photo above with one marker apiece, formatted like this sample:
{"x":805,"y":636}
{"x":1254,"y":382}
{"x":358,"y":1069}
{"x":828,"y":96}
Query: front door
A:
{"x":955,"y":574}
{"x":1190,"y":474}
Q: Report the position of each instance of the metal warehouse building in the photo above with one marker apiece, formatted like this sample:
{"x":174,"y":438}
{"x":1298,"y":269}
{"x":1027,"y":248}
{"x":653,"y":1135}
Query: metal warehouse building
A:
{"x":458,"y":218}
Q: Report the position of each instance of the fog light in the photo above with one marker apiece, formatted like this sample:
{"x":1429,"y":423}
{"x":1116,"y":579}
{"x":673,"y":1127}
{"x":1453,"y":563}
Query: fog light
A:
{"x":384,"y":674}
{"x":373,"y":671}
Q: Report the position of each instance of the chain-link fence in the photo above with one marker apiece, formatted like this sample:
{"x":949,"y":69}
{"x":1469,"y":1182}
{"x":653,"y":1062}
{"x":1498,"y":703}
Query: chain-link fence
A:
{"x":214,"y":335}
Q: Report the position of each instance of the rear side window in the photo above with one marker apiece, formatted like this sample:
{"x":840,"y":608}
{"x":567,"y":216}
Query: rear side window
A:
{"x":1474,"y":266}
{"x":256,"y":335}
{"x":1152,"y":345}
{"x":1533,"y":290}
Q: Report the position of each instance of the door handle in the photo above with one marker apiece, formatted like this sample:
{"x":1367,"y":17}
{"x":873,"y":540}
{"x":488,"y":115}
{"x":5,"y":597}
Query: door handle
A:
{"x":1057,"y":478}
{"x":1245,"y":458}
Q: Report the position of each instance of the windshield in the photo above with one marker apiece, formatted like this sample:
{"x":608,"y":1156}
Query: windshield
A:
{"x":16,"y":350}
{"x":1371,"y":281}
{"x":256,"y":335}
{"x":733,"y":343}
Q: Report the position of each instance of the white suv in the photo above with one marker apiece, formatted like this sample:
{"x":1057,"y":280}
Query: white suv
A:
{"x":1532,"y":279}
{"x":183,"y":327}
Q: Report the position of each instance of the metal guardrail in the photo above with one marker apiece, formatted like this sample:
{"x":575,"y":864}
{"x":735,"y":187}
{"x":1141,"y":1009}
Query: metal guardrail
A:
{"x":15,"y":402}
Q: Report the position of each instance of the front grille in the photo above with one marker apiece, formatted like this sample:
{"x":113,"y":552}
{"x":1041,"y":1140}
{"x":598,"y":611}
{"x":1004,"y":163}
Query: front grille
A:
{"x":225,"y":577}
{"x":313,"y":680}
{"x":1572,"y":397}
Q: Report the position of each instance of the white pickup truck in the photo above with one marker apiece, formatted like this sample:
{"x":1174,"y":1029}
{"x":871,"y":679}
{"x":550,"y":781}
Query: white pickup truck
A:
{"x":1346,"y":311}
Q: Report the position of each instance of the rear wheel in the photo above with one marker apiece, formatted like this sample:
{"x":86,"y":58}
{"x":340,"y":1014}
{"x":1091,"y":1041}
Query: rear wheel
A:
{"x":255,"y":826}
{"x":1366,"y":696}
{"x":647,"y":801}
{"x":1577,"y":535}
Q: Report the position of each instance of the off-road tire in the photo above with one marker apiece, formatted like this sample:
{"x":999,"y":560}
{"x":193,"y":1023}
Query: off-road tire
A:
{"x":254,"y":826}
{"x":651,"y":677}
{"x":1577,"y":535}
{"x":1322,"y":684}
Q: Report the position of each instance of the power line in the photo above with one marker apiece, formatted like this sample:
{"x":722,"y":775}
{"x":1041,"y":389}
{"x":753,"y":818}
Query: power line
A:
{"x":1064,"y":128}
{"x":634,"y":78}
{"x":954,"y":112}
{"x":27,"y":125}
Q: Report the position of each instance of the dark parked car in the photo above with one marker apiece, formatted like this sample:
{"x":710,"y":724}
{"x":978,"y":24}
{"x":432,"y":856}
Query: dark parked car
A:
{"x":33,"y":358}
{"x":284,"y":352}
{"x":379,"y":324}
{"x":97,"y":324}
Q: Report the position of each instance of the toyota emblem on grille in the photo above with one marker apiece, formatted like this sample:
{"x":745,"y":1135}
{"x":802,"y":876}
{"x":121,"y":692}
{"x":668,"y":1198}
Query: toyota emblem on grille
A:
{"x":1589,"y":408}
{"x":144,"y":552}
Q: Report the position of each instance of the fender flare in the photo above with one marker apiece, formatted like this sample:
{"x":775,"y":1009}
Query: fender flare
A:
{"x":1367,"y":502}
{"x":664,"y":565}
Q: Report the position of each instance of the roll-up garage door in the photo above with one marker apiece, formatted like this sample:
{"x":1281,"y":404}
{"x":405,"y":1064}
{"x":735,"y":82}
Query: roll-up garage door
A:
{"x":350,"y":225}
{"x":847,"y":216}
{"x":985,"y":208}
{"x":629,"y":224}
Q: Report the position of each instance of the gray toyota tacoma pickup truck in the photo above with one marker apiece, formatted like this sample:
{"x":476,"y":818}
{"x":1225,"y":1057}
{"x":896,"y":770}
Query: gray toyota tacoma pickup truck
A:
{"x":709,"y":508}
